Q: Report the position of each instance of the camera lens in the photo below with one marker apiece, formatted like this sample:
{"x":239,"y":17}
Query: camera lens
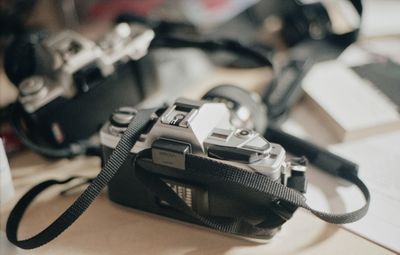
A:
{"x":247,"y":109}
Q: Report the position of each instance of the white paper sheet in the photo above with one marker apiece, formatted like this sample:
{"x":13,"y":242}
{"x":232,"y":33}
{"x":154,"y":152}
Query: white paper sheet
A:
{"x":379,"y":161}
{"x":6,"y":185}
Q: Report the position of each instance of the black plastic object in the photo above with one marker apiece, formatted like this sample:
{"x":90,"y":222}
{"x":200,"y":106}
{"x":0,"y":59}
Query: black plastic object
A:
{"x":320,"y":157}
{"x":233,"y":154}
{"x":302,"y":21}
{"x":64,"y":121}
{"x":285,"y":89}
{"x":26,"y":56}
{"x":13,"y":16}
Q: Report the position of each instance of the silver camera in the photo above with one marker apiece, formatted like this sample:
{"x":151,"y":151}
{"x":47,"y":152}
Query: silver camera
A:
{"x":205,"y":129}
{"x":71,"y":52}
{"x":75,"y":80}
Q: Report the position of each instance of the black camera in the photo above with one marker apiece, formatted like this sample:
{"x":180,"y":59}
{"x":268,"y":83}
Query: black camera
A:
{"x":68,"y":84}
{"x":221,"y":127}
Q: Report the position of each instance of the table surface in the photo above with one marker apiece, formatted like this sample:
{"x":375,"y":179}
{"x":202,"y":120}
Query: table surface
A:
{"x":109,"y":228}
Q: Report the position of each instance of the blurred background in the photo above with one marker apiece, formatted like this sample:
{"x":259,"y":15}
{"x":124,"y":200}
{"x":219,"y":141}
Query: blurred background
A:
{"x":294,"y":34}
{"x":334,"y":79}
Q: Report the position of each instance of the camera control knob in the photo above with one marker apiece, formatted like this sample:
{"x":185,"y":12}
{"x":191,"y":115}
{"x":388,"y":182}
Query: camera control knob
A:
{"x":243,"y":133}
{"x":31,"y":86}
{"x":123,"y":116}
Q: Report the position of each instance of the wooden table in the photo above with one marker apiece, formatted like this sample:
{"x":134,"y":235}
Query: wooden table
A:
{"x":107,"y":228}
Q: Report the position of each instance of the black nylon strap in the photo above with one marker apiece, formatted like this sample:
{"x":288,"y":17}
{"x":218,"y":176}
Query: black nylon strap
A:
{"x":212,"y":171}
{"x":164,"y":38}
{"x":117,"y":158}
{"x":232,"y":46}
{"x":268,"y":187}
{"x":238,"y":226}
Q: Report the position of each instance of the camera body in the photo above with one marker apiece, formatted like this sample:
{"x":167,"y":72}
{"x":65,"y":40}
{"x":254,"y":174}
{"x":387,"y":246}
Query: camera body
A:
{"x":76,"y":80}
{"x":203,"y":128}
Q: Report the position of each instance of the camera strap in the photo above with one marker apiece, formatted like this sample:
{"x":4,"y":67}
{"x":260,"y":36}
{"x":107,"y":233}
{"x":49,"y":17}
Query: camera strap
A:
{"x":231,"y":46}
{"x":166,"y":38}
{"x":199,"y":168}
{"x":214,"y":172}
{"x":117,"y":158}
